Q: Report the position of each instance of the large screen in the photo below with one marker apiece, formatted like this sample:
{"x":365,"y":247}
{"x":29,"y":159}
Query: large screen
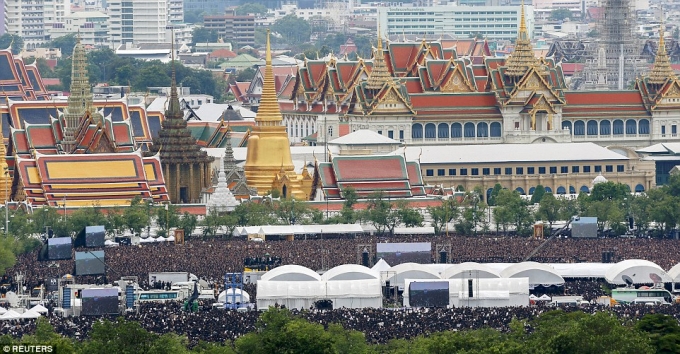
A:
{"x":97,"y":302}
{"x":397,"y":253}
{"x":59,"y":248}
{"x":429,"y":294}
{"x":94,"y":236}
{"x":90,"y":263}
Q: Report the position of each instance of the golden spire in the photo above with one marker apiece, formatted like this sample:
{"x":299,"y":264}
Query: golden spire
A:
{"x":662,"y":69}
{"x":269,"y":112}
{"x":379,"y":74}
{"x":174,"y":110}
{"x":522,"y":58}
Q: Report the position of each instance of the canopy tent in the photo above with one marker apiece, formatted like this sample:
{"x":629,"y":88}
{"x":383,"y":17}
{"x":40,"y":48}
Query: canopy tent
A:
{"x":350,"y":272}
{"x":10,"y":315}
{"x":2,"y":310}
{"x":538,"y":274}
{"x":30,"y":314}
{"x":290,"y":272}
{"x":674,"y":273}
{"x":397,"y":274}
{"x":303,"y":294}
{"x":39,"y":309}
{"x":469,"y":270}
{"x":354,"y":294}
{"x":545,"y":297}
{"x":232,"y":294}
{"x":381,"y":266}
{"x":581,"y":270}
{"x":424,"y":230}
{"x":486,"y":292}
{"x":280,"y":230}
{"x":639,"y":270}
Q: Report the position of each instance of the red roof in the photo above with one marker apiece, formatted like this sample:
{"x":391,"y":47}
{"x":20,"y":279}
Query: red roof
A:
{"x":223,"y":53}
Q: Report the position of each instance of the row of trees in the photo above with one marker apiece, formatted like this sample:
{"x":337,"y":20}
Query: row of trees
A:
{"x":278,"y":331}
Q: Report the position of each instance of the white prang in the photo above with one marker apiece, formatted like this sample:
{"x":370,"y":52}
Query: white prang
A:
{"x":222,"y":199}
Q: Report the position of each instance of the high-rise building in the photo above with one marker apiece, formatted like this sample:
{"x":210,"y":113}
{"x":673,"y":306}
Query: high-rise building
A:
{"x":93,"y":27}
{"x":3,"y":11}
{"x":55,"y":11}
{"x":139,"y":21}
{"x":239,"y":30}
{"x":26,"y":19}
{"x":175,"y":11}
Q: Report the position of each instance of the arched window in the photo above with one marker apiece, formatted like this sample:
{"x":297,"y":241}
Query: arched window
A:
{"x":495,"y":130}
{"x":417,"y":131}
{"x":579,"y":128}
{"x":443,"y":130}
{"x":482,"y":130}
{"x":605,"y":127}
{"x":618,"y":127}
{"x":572,"y":190}
{"x":520,"y":190}
{"x":585,"y":189}
{"x":456,"y":130}
{"x":639,"y":188}
{"x":566,"y":125}
{"x":627,"y":187}
{"x":469,"y":130}
{"x":430,"y":131}
{"x":561,"y":190}
{"x":548,"y":190}
{"x":643,"y":128}
{"x":631,"y":127}
{"x":532,"y":190}
{"x":592,"y":127}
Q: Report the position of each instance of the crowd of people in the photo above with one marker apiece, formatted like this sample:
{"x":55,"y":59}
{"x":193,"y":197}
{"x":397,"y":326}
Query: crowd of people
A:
{"x":211,"y":259}
{"x":378,"y":325}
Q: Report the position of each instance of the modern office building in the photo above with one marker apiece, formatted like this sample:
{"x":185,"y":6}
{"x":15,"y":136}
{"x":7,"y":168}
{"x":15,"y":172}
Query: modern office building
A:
{"x":93,"y":27}
{"x":239,"y":30}
{"x":492,"y":22}
{"x":55,"y":11}
{"x":139,"y":21}
{"x":26,"y":19}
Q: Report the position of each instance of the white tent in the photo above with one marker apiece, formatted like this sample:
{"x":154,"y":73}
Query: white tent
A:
{"x":290,"y":272}
{"x":538,"y":274}
{"x":30,"y":314}
{"x":2,"y":310}
{"x":397,"y":274}
{"x":545,"y":297}
{"x":533,"y":297}
{"x":292,"y":294}
{"x":350,"y":272}
{"x":39,"y":309}
{"x":469,"y":270}
{"x":381,"y":266}
{"x":10,"y":315}
{"x":489,"y":292}
{"x":231,"y":294}
{"x":639,"y":270}
{"x":354,"y":293}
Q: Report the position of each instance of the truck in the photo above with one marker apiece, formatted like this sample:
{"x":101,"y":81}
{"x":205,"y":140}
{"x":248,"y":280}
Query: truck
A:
{"x":168,"y":277}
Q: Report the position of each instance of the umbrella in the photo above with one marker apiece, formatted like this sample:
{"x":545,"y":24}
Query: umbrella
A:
{"x":39,"y":309}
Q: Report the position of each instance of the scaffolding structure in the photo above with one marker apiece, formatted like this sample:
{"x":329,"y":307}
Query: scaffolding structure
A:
{"x":621,"y":46}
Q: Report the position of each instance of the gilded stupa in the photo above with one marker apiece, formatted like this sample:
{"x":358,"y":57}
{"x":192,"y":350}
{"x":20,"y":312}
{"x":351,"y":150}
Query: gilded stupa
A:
{"x":662,"y":70}
{"x":269,"y":165}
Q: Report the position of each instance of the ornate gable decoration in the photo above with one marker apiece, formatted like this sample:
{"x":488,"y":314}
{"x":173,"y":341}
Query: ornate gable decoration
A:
{"x":458,"y":82}
{"x":531,"y":83}
{"x":669,"y":95}
{"x":391,"y":101}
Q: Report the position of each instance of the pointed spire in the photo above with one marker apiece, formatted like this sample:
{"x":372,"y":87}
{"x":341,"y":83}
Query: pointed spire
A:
{"x":662,"y":69}
{"x":173,"y":108}
{"x":522,"y":58}
{"x":379,"y":74}
{"x":269,"y":110}
{"x":229,"y":159}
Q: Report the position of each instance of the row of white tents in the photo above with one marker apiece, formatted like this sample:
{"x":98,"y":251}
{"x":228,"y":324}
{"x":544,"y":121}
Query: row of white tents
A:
{"x":337,"y":229}
{"x":34,"y":312}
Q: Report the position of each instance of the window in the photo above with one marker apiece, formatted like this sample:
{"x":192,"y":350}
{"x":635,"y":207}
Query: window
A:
{"x":401,"y":135}
{"x":475,"y":172}
{"x":452,"y":171}
{"x":390,"y":134}
{"x":497,"y":171}
{"x":508,"y":170}
{"x":553,"y":169}
{"x":598,"y":169}
{"x":674,"y":129}
{"x":541,"y":170}
{"x":609,"y":168}
{"x":519,"y":170}
{"x":575,"y":169}
{"x":380,"y":132}
{"x":564,"y":169}
{"x":586,"y":169}
{"x":663,"y":130}
{"x":463,"y":171}
{"x":620,"y":168}
{"x":531,"y":170}
{"x":330,"y":131}
{"x":486,"y":171}
{"x":429,"y":172}
{"x":440,"y":172}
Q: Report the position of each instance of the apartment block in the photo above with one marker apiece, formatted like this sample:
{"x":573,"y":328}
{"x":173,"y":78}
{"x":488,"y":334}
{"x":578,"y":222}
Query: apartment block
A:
{"x":239,"y":30}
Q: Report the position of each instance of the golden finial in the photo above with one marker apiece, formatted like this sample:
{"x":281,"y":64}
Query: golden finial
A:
{"x":662,"y":69}
{"x":269,"y":110}
{"x":379,"y":74}
{"x":522,"y":58}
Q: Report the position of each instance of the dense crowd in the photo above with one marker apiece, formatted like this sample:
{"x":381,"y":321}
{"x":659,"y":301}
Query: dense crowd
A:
{"x":379,"y":325}
{"x":209,"y":260}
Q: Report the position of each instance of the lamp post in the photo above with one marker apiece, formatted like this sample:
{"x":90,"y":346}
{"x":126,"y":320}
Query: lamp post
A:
{"x":149,"y":204}
{"x":6,"y":201}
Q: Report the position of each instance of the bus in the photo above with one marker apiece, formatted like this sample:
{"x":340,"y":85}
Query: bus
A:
{"x":642,"y":295}
{"x":160,"y":296}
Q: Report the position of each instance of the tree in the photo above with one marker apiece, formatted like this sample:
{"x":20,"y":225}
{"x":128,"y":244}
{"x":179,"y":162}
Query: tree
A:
{"x":188,"y":223}
{"x":251,"y":9}
{"x":494,"y":193}
{"x":516,"y":209}
{"x":538,"y":194}
{"x":194,"y":16}
{"x":560,"y":14}
{"x":549,"y":209}
{"x":246,"y":75}
{"x":409,"y":216}
{"x":609,"y":191}
{"x":294,"y":30}
{"x":663,"y":331}
{"x":443,"y":214}
{"x":17,"y":42}
{"x":347,"y":214}
{"x":204,"y":35}
{"x":167,"y":217}
{"x":379,"y":212}
{"x":64,"y":43}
